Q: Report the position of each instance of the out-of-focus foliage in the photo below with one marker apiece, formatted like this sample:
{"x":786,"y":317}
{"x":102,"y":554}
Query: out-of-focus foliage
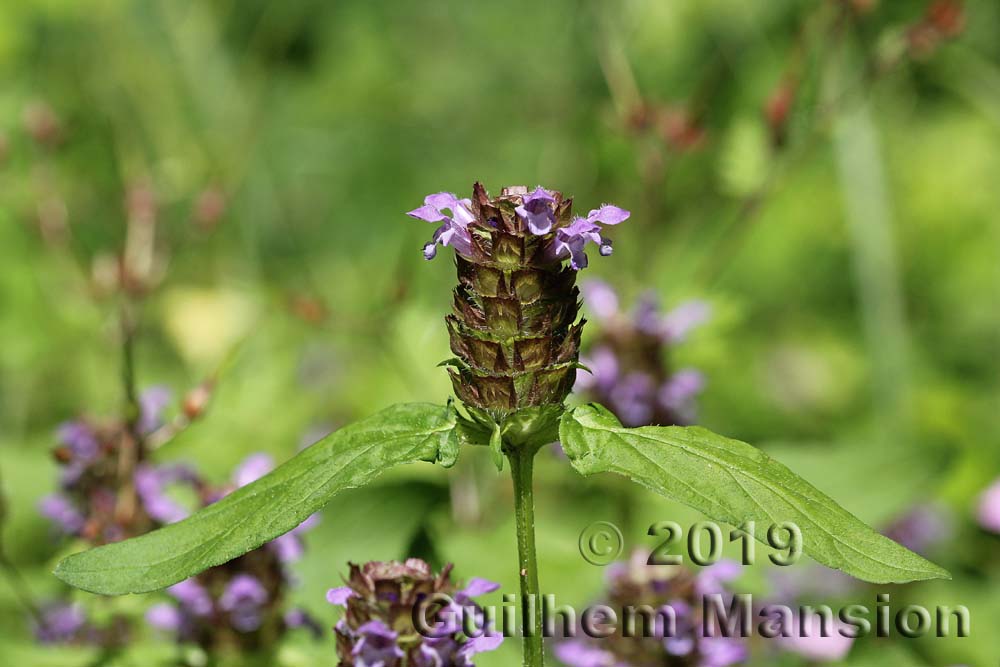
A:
{"x":822,"y":173}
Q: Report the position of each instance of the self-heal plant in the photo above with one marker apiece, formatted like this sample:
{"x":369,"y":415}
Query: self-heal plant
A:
{"x":378,"y":626}
{"x":515,"y":332}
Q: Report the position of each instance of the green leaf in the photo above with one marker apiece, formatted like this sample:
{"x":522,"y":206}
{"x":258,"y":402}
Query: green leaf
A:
{"x":731,"y":481}
{"x":269,"y":507}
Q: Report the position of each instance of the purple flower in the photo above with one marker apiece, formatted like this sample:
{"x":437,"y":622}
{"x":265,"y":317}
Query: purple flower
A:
{"x":920,"y":528}
{"x":711,"y":579}
{"x":677,"y":394}
{"x":601,"y":299}
{"x":252,"y":468}
{"x":165,"y":616}
{"x":632,"y":399}
{"x":722,"y":651}
{"x":243,"y":598}
{"x":603,"y":373}
{"x":676,"y":324}
{"x":988,"y":512}
{"x":582,"y":654}
{"x":152,"y":403}
{"x":454,"y":230}
{"x":812,"y":645}
{"x":60,"y":510}
{"x":376,"y":646}
{"x":150,"y":485}
{"x":289,"y":547}
{"x":339,"y":596}
{"x":300,"y":618}
{"x":570,"y":242}
{"x":192,"y":597}
{"x":538,"y":211}
{"x":646,"y":317}
{"x":477,"y":586}
{"x":489,"y":640}
{"x":60,"y":623}
{"x":608,"y":215}
{"x":436,"y":652}
{"x":80,"y":439}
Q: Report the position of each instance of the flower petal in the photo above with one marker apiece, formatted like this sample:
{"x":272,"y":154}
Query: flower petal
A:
{"x":339,"y":596}
{"x":608,"y":215}
{"x":428,"y":213}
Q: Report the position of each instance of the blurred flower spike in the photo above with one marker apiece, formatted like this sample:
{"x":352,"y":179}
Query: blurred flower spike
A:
{"x":628,"y":369}
{"x":686,"y":644}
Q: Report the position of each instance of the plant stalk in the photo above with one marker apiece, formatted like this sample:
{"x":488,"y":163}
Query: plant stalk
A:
{"x":521,"y":465}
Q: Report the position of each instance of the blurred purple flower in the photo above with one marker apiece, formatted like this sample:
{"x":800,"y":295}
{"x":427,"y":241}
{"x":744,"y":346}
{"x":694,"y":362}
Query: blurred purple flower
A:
{"x":166,"y":617}
{"x":339,"y":596}
{"x":192,"y":597}
{"x":60,"y":623}
{"x":454,"y":230}
{"x":675,"y":325}
{"x":809,"y":642}
{"x":151,"y":483}
{"x":601,"y":373}
{"x":629,"y":362}
{"x":601,"y":299}
{"x":80,"y":439}
{"x":60,"y":510}
{"x":988,"y":511}
{"x":252,"y":468}
{"x":712,"y":579}
{"x":678,"y":393}
{"x":152,"y":403}
{"x":243,"y":598}
{"x":722,"y":651}
{"x":920,"y":528}
{"x":582,"y":654}
{"x":632,"y":399}
{"x":300,"y":618}
{"x":290,"y":547}
{"x":682,"y":642}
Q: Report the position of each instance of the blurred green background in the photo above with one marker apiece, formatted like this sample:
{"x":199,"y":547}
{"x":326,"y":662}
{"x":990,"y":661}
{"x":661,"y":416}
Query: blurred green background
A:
{"x":850,"y":250}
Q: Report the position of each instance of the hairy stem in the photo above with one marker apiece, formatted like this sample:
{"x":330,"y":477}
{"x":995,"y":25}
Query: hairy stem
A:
{"x":521,"y":464}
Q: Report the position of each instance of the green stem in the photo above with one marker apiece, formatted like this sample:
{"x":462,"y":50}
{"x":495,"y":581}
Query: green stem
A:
{"x":521,"y":464}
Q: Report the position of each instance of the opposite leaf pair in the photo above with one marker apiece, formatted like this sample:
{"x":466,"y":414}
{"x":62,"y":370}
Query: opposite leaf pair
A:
{"x":725,"y":479}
